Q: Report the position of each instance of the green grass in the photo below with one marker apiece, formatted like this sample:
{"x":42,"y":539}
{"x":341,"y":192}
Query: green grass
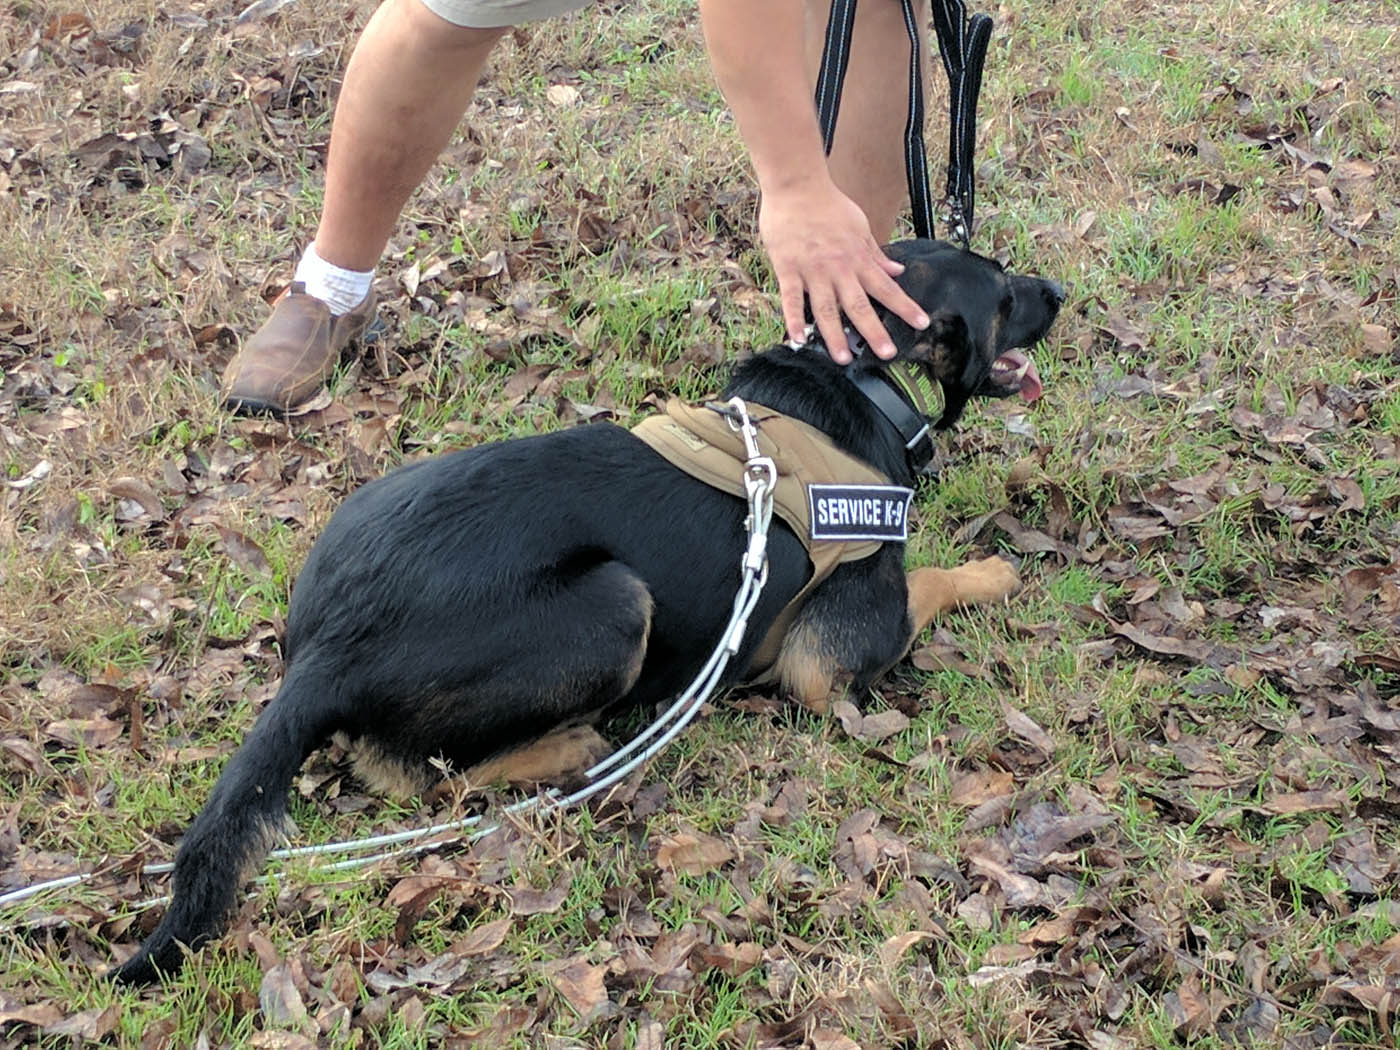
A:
{"x":1134,"y":115}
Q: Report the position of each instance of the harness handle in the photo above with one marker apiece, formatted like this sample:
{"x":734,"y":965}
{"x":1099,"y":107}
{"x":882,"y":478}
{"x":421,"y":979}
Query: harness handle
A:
{"x":963,"y":46}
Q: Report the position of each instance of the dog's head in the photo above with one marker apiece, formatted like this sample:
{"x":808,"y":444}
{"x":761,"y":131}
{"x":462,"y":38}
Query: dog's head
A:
{"x":982,"y":320}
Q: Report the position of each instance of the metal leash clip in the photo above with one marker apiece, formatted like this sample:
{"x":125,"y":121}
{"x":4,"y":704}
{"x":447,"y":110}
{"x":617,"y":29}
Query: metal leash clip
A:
{"x":954,"y":219}
{"x":760,"y":478}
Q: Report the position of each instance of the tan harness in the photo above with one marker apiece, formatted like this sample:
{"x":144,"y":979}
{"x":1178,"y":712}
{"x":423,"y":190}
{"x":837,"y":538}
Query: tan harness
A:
{"x":701,"y":442}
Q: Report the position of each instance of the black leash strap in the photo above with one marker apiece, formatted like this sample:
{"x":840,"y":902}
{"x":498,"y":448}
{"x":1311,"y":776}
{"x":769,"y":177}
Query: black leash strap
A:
{"x":915,"y":155}
{"x":963,"y":45}
{"x":836,"y":56}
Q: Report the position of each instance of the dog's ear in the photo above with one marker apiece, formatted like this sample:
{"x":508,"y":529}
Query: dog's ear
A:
{"x":944,"y":347}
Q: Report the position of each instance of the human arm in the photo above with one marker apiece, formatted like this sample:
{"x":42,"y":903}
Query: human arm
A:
{"x":817,"y":238}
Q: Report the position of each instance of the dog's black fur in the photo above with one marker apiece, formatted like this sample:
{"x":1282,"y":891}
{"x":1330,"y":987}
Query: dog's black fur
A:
{"x":464,"y":605}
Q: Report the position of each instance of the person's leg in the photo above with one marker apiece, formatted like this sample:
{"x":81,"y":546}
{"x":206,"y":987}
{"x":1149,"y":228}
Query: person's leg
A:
{"x":867,"y":155}
{"x":410,"y":79}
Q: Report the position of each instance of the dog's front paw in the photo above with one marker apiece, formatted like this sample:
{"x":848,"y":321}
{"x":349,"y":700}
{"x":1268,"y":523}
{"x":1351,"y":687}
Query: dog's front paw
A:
{"x":987,"y":580}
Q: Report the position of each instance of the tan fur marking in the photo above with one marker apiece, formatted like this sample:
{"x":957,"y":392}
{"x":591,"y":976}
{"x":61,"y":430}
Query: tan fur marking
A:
{"x":387,"y":774}
{"x":634,"y":669}
{"x":803,"y":672}
{"x":933,"y":591}
{"x":989,"y":352}
{"x":555,"y":756}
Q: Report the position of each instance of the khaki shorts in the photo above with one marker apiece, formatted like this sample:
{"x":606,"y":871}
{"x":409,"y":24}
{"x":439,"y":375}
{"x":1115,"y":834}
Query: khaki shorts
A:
{"x":490,"y":14}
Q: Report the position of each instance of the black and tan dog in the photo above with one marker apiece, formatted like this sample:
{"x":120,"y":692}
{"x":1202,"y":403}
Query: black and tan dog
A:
{"x":483,"y":606}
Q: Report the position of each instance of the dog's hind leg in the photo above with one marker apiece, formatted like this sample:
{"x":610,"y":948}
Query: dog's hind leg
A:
{"x":554,"y":758}
{"x":552,"y":658}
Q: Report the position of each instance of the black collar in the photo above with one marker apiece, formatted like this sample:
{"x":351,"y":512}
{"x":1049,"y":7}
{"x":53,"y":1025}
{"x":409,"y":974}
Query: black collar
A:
{"x":901,"y":392}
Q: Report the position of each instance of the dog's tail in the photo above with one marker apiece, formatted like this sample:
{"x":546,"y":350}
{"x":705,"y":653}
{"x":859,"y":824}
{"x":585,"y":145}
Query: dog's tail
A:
{"x":237,"y":826}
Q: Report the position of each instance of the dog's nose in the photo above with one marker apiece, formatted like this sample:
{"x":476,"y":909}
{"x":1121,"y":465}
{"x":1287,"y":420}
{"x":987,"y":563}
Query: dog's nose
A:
{"x":1057,"y":292}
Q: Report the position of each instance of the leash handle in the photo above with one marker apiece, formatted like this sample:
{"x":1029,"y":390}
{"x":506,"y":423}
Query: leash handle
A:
{"x":962,"y":43}
{"x":963,"y":46}
{"x":836,"y":58}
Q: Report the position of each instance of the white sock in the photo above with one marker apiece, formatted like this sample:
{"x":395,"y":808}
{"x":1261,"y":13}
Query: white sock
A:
{"x":341,"y":290}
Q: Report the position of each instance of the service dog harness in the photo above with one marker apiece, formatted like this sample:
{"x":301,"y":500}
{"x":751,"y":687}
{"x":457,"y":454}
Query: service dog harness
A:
{"x":841,"y":508}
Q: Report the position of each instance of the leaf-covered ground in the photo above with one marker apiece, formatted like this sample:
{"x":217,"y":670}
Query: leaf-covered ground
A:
{"x":1150,"y":802}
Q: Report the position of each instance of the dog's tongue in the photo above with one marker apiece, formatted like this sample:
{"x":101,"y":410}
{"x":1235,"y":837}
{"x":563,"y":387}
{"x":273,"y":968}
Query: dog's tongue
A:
{"x":1015,"y":367}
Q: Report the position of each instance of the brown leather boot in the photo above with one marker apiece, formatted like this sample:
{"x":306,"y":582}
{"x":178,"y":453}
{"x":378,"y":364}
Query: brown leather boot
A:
{"x":290,"y":357}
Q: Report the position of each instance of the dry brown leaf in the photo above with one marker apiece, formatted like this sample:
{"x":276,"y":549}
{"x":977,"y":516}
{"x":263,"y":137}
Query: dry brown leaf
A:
{"x":976,"y":910}
{"x":1376,"y":339}
{"x":849,"y":715}
{"x":937,"y":656}
{"x":279,"y":1039}
{"x":581,"y":984}
{"x":1025,"y":727}
{"x":877,"y":727}
{"x":412,"y":887}
{"x":1046,"y":829}
{"x":243,"y":551}
{"x":692,"y":854}
{"x":482,"y":939}
{"x":138,"y":500}
{"x":342,"y":982}
{"x":1051,"y":932}
{"x":1305,"y":802}
{"x":901,"y":1025}
{"x":39,"y":1014}
{"x":650,"y":1036}
{"x":979,"y":786}
{"x":1189,"y":1008}
{"x":1380,"y":999}
{"x":1034,"y":541}
{"x":830,"y":1039}
{"x":1021,"y":891}
{"x":525,"y":382}
{"x":278,"y":998}
{"x":1009,"y":954}
{"x":989,"y":813}
{"x":1166,"y":645}
{"x":869,"y":728}
{"x":562,"y":95}
{"x":894,"y":948}
{"x":985,"y":975}
{"x":413,"y":896}
{"x":88,"y":1025}
{"x":733,"y":960}
{"x":857,"y":849}
{"x":96,"y":732}
{"x":71,"y":23}
{"x":440,"y":972}
{"x":789,"y":804}
{"x":529,"y":901}
{"x":1124,"y":333}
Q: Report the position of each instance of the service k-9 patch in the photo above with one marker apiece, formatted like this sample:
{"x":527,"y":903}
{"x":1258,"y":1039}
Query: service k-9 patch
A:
{"x":859,"y":512}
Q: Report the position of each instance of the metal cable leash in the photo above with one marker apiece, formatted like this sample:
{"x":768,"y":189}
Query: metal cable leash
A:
{"x":760,"y":479}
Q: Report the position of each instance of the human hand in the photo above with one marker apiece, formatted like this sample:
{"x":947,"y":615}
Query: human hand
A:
{"x":820,"y":245}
